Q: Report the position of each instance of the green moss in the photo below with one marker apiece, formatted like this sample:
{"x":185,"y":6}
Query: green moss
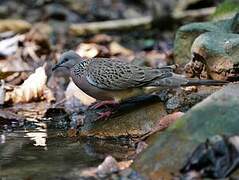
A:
{"x":179,"y":124}
{"x":227,"y":8}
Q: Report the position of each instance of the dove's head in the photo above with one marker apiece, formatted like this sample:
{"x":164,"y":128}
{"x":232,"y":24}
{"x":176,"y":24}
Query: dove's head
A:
{"x":68,"y":60}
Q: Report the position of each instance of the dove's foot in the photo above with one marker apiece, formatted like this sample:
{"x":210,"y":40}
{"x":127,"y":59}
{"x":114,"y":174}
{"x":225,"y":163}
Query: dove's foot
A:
{"x":103,"y":104}
{"x":104,"y":115}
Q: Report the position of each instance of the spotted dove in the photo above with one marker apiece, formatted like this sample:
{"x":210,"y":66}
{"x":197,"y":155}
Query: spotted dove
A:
{"x":108,"y":79}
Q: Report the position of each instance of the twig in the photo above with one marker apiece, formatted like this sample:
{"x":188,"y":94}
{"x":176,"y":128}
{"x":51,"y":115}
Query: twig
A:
{"x":194,"y":13}
{"x":95,"y":27}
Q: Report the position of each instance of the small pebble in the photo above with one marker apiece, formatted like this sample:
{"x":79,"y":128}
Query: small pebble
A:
{"x":173,"y":103}
{"x":108,"y":167}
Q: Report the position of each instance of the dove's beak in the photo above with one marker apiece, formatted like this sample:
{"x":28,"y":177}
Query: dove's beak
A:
{"x":55,"y":67}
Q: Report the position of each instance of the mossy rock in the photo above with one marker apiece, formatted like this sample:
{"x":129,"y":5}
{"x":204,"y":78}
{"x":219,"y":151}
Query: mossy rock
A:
{"x":220,"y":54}
{"x":186,"y":35}
{"x":226,"y":9}
{"x":167,"y":151}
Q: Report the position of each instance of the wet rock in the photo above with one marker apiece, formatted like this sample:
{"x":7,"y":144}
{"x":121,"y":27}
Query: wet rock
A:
{"x":217,"y":114}
{"x":186,"y":35}
{"x":135,"y":119}
{"x":134,"y":123}
{"x":8,"y":118}
{"x":111,"y":169}
{"x":58,"y":118}
{"x":74,"y":105}
{"x":184,"y":99}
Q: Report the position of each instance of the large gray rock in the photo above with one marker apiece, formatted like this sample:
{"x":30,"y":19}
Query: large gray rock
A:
{"x":218,"y":54}
{"x":217,"y":114}
{"x":186,"y":35}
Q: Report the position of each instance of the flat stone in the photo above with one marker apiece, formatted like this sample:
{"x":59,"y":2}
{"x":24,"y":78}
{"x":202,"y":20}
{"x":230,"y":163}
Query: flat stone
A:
{"x":135,"y":123}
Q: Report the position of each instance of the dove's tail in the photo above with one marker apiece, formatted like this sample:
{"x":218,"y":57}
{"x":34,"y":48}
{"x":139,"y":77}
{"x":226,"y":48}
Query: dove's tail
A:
{"x":176,"y":80}
{"x":205,"y":82}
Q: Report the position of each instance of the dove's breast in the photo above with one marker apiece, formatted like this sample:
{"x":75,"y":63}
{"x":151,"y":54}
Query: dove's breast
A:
{"x":104,"y":94}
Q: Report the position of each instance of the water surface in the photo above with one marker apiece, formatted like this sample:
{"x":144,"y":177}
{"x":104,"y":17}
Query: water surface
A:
{"x":40,"y":153}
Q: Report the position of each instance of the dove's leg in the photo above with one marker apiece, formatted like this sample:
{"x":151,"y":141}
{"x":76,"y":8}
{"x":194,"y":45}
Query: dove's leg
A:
{"x":104,"y":115}
{"x":104,"y":103}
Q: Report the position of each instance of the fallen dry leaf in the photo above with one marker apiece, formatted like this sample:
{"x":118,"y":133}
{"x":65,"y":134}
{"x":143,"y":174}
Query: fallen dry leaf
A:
{"x":39,"y":36}
{"x":166,"y":121}
{"x":124,"y":164}
{"x":33,"y":89}
{"x":11,"y":65}
{"x":116,"y":49}
{"x":17,"y":78}
{"x":156,"y":59}
{"x":162,"y":124}
{"x":17,"y":26}
{"x":141,"y":146}
{"x":90,"y":50}
{"x":9,"y":46}
{"x":101,"y":39}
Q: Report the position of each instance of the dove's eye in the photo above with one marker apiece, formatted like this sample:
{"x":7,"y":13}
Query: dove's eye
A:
{"x":65,"y":60}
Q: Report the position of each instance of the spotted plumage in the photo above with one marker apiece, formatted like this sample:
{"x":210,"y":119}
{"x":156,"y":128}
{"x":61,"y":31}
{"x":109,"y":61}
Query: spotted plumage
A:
{"x":107,"y":79}
{"x":119,"y":75}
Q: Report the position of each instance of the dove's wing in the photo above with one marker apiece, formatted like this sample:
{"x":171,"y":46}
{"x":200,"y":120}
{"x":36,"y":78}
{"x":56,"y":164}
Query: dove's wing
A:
{"x":119,"y":75}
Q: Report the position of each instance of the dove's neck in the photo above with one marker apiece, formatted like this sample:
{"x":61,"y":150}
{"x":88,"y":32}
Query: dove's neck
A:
{"x":79,"y":68}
